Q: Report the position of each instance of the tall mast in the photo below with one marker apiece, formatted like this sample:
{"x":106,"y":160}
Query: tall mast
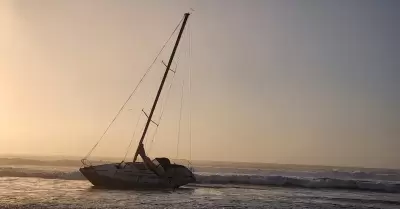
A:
{"x":171,"y":58}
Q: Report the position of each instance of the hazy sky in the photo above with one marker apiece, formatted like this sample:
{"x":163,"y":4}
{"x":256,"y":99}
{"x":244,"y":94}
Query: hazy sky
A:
{"x":310,"y":82}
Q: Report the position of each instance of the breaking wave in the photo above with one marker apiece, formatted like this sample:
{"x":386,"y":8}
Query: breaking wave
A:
{"x":312,"y":183}
{"x":39,"y":173}
{"x":233,"y":179}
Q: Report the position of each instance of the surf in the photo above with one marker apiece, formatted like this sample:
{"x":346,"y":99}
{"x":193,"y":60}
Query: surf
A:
{"x":231,"y":180}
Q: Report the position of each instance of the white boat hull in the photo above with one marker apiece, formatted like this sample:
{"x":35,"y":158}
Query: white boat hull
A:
{"x":135,"y":176}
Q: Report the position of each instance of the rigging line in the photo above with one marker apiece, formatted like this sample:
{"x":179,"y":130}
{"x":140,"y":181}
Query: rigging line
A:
{"x":181,"y":107}
{"x":133,"y":136}
{"x":166,"y":99}
{"x":164,"y":102}
{"x":180,"y":119}
{"x":190,"y":91}
{"x":170,"y":85}
{"x":162,"y":112}
{"x":130,"y":96}
{"x":147,"y":139}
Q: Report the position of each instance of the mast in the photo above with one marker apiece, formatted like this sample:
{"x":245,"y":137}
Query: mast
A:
{"x":171,"y":58}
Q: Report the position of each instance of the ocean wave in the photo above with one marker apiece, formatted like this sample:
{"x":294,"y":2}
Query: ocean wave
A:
{"x":36,"y":173}
{"x":374,"y":175}
{"x":258,"y":169}
{"x":312,"y":183}
{"x":257,"y":180}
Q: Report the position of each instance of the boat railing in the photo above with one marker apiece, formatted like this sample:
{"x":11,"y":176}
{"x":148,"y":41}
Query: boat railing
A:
{"x":86,"y":163}
{"x":184,"y":162}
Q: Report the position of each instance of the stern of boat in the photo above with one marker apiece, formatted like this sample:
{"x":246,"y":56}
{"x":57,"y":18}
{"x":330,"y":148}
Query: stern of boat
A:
{"x":180,"y":175}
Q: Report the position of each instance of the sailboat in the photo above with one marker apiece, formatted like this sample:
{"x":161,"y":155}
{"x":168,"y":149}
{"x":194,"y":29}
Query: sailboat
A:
{"x":156,"y":173}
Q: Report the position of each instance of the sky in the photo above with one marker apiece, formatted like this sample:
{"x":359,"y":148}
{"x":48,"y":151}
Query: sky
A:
{"x":299,"y":82}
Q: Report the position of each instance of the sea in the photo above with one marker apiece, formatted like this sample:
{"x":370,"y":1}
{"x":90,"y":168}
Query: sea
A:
{"x":28,"y":183}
